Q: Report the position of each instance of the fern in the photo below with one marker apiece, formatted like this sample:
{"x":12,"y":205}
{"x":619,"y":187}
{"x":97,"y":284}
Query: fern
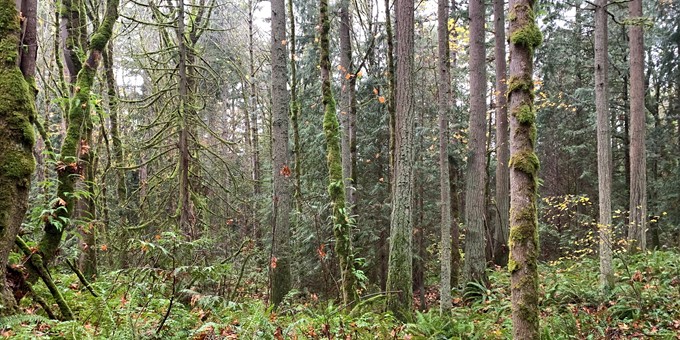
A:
{"x":20,"y":319}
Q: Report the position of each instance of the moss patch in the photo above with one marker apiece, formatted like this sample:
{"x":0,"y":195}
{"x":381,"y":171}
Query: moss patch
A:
{"x":525,"y":114}
{"x":525,"y":161}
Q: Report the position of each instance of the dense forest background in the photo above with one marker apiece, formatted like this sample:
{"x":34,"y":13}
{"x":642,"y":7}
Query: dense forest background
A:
{"x":353,"y":169}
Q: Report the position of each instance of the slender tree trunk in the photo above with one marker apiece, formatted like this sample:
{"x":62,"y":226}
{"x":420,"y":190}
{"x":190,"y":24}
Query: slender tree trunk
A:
{"x":347,"y":95}
{"x":254,"y":128}
{"x":392,"y":85}
{"x":475,"y":260}
{"x":503,"y":151}
{"x":604,"y":148}
{"x":455,"y":217}
{"x":336,"y":186}
{"x":295,"y":112}
{"x":444,"y":101}
{"x":17,"y":111}
{"x":638,"y":176}
{"x":280,"y":253}
{"x":401,"y":225}
{"x":525,"y":36}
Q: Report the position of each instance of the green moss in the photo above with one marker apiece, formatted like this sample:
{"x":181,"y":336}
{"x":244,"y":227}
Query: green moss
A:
{"x":526,"y":228}
{"x":525,"y":114}
{"x":18,"y":164}
{"x":525,"y":161}
{"x":529,"y":34}
{"x":520,"y":84}
{"x":512,"y":266}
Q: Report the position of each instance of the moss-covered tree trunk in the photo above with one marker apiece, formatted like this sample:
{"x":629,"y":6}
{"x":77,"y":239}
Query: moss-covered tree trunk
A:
{"x":444,"y":101}
{"x":604,"y":144}
{"x":637,"y":230}
{"x":475,"y":258}
{"x":525,"y":36}
{"x":75,"y":150}
{"x":280,"y":254}
{"x":336,"y":187}
{"x":399,"y":279}
{"x":17,"y":111}
{"x":500,"y":238}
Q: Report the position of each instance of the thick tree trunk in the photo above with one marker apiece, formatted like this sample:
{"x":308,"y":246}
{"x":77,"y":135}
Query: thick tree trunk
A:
{"x":444,"y":101}
{"x":502,"y":148}
{"x":638,"y":176}
{"x":525,"y":36}
{"x":604,"y":147}
{"x":17,"y":111}
{"x":475,"y":259}
{"x":399,"y":280}
{"x":280,"y":254}
{"x":336,"y":186}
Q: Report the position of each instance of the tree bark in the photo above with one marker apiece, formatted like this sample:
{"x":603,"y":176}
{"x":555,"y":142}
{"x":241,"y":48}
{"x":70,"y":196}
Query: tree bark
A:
{"x":17,"y":112}
{"x":444,"y":101}
{"x":502,"y":148}
{"x":525,"y":36}
{"x":604,"y":148}
{"x":75,"y":150}
{"x":475,"y":259}
{"x":280,"y":253}
{"x":638,"y":176}
{"x":399,"y":277}
{"x":336,"y":186}
{"x":347,"y":107}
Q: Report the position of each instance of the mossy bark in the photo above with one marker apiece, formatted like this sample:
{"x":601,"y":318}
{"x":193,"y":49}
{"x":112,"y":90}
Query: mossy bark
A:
{"x":17,"y":111}
{"x":524,"y":164}
{"x":75,"y":150}
{"x":280,"y":261}
{"x":399,"y":279}
{"x":336,"y":187}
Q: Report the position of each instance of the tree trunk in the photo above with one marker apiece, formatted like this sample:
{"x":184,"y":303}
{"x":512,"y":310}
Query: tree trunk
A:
{"x":280,"y":253}
{"x":295,"y":112}
{"x":392,"y":85}
{"x":444,"y":101}
{"x":399,"y":278}
{"x":17,"y":111}
{"x":525,"y":36}
{"x":502,"y":148}
{"x":336,"y":186}
{"x":254,"y":129}
{"x":75,"y":150}
{"x":638,"y":176}
{"x":475,"y":259}
{"x":347,"y":107}
{"x":604,"y":148}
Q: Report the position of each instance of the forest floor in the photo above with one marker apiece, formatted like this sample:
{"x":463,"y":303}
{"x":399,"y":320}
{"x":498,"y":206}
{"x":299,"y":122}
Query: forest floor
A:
{"x":645,"y":303}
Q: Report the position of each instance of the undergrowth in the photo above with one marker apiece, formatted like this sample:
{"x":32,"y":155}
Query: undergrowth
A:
{"x":645,"y":303}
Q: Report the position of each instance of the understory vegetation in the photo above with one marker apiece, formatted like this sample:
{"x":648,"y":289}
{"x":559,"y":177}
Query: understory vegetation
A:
{"x":132,"y":304}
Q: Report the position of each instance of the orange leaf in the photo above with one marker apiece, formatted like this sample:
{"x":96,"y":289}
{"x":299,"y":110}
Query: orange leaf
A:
{"x":104,"y":247}
{"x":375,"y":91}
{"x":285,"y":171}
{"x":273,"y":262}
{"x":381,"y":99}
